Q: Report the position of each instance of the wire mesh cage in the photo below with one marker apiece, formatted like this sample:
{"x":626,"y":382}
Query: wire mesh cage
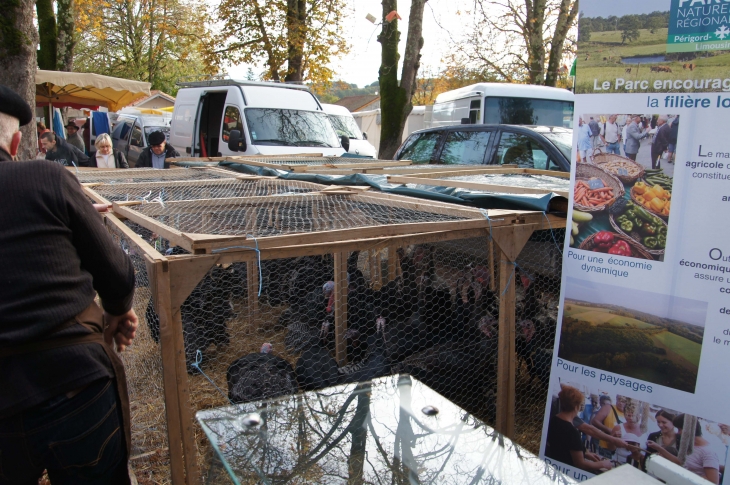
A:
{"x":143,"y":175}
{"x":257,"y":297}
{"x":297,"y":163}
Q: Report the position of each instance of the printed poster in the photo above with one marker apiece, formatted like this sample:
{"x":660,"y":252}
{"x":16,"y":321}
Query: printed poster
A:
{"x":643,"y":339}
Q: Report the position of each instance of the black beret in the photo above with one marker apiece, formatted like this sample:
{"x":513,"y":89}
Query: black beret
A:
{"x":13,"y":105}
{"x":156,"y":137}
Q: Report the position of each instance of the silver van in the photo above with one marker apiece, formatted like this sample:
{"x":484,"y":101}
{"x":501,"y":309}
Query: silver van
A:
{"x":130,"y":133}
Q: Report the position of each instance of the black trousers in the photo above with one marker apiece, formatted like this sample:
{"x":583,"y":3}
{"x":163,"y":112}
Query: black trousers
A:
{"x":78,"y":440}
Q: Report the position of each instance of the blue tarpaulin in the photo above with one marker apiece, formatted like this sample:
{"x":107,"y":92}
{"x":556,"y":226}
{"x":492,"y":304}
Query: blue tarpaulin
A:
{"x":58,"y":124}
{"x":474,"y":198}
{"x":100,"y":122}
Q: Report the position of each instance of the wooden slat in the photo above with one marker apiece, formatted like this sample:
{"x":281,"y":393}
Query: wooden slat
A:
{"x":340,"y":308}
{"x":398,"y":179}
{"x":360,"y":165}
{"x":93,"y":195}
{"x":252,"y":282}
{"x":506,"y":364}
{"x":143,"y":245}
{"x":175,"y":237}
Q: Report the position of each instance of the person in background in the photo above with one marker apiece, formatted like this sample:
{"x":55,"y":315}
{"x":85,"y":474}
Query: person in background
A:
{"x":585,"y":146}
{"x":563,"y":439}
{"x":595,"y":132}
{"x":672,"y":146}
{"x":661,"y":141}
{"x":64,"y":406}
{"x":40,"y":129}
{"x":665,"y":438}
{"x":106,"y":155}
{"x":634,"y":134}
{"x":623,"y":134}
{"x":159,"y":150}
{"x":605,"y":420}
{"x":74,"y":137}
{"x":702,"y":461}
{"x":57,"y":150}
{"x":612,"y":136}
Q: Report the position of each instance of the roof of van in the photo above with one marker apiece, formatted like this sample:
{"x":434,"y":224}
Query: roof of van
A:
{"x":240,"y":82}
{"x":334,"y":109}
{"x":506,"y":89}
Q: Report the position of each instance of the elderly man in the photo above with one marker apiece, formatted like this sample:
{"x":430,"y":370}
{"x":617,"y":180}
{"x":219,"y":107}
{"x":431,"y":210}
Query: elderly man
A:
{"x":74,"y":137}
{"x":63,"y":405}
{"x":612,"y":136}
{"x":634,"y":134}
{"x":154,"y":156}
{"x":661,"y":141}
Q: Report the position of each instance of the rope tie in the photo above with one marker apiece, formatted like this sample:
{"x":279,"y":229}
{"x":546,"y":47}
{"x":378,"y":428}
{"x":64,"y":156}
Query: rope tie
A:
{"x":196,"y":366}
{"x":258,"y":257}
{"x":552,"y":232}
{"x":486,"y":216}
{"x":77,"y":168}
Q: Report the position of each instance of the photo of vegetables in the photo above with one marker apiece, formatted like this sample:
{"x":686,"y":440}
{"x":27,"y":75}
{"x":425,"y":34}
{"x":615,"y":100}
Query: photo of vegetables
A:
{"x":640,"y":334}
{"x":621,"y":206}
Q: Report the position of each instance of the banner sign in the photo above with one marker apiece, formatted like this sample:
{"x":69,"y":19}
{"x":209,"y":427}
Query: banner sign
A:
{"x":643,"y":337}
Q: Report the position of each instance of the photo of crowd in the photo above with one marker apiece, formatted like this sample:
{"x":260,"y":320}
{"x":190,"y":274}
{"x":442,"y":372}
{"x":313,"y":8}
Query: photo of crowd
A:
{"x":597,"y":430}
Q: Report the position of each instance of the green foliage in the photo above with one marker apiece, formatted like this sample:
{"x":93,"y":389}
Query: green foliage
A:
{"x":584,"y":31}
{"x":159,"y":42}
{"x":47,"y":33}
{"x":339,"y":89}
{"x":654,"y":21}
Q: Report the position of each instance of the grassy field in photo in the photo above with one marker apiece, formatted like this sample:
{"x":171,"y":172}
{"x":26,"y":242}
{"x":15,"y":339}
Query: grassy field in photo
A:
{"x":631,"y":343}
{"x":602,"y":59}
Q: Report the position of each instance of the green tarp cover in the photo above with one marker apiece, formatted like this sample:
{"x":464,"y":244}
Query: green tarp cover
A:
{"x":482,"y":200}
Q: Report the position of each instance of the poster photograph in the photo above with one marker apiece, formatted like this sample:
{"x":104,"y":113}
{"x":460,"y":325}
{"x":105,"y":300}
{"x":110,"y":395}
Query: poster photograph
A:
{"x":644,"y":314}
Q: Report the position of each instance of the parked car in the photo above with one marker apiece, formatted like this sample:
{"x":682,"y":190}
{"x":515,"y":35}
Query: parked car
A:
{"x":344,"y":124}
{"x":130,"y":133}
{"x":539,"y":147}
{"x":231,"y":117}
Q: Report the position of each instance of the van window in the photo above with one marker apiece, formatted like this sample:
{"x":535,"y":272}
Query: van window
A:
{"x":465,"y":147}
{"x":519,"y":149}
{"x":288,"y":127}
{"x":136,"y":139}
{"x":346,"y":125}
{"x":419,"y":147}
{"x":121,"y":131}
{"x":231,"y":121}
{"x":475,"y":111}
{"x":528,"y":111}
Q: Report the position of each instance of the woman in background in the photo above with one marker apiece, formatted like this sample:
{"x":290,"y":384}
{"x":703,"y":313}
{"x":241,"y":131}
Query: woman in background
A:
{"x":665,"y":438}
{"x":106,"y":155}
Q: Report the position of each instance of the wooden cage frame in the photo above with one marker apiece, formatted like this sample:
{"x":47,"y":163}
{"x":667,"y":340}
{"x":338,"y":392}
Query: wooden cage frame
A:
{"x":173,"y":278}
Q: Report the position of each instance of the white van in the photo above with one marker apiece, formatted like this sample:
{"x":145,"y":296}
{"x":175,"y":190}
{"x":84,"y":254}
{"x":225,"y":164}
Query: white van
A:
{"x":345,"y":124}
{"x":230,"y":117}
{"x":503,"y":103}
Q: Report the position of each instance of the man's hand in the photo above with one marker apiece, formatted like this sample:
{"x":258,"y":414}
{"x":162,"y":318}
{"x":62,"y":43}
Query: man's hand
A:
{"x":618,"y":442}
{"x":121,"y":329}
{"x":102,"y":207}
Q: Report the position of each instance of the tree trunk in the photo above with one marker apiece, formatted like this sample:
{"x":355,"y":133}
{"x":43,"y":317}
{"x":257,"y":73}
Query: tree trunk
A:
{"x":47,"y":30}
{"x":18,"y":43}
{"x":296,"y":27}
{"x":395,"y":98}
{"x":566,"y":16}
{"x":534,"y":26}
{"x":66,"y":35}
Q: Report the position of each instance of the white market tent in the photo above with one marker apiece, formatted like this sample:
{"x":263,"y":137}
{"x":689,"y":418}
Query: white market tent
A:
{"x":85,"y":90}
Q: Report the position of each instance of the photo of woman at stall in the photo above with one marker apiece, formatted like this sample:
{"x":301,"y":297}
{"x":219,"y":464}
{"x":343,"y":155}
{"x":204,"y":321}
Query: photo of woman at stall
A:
{"x":643,"y":427}
{"x":622,"y":195}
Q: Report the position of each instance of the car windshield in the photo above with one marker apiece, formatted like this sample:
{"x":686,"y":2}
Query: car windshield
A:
{"x":563,"y":140}
{"x":152,"y":129}
{"x":288,"y":127}
{"x":345,"y":125}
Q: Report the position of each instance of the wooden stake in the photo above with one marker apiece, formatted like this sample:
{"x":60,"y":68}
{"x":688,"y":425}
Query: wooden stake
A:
{"x":252,"y":282}
{"x":506,"y":364}
{"x":340,"y":308}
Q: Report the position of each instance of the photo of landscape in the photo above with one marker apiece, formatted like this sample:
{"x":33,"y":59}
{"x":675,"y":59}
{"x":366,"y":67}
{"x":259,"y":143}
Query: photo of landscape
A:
{"x":633,"y":47}
{"x":648,"y":336}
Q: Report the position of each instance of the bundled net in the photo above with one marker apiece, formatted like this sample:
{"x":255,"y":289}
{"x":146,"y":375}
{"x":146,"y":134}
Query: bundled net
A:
{"x":143,"y":366}
{"x":143,"y":175}
{"x":203,"y":189}
{"x":537,"y":287}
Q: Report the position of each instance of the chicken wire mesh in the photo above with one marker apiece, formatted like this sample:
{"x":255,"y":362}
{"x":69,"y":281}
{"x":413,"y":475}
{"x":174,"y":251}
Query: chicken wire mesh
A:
{"x":144,"y":175}
{"x":288,"y":214}
{"x":143,"y":366}
{"x":202,"y":189}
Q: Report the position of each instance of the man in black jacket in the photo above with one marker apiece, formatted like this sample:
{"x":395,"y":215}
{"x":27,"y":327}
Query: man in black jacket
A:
{"x":155,"y":155}
{"x":59,"y":151}
{"x":63,"y":400}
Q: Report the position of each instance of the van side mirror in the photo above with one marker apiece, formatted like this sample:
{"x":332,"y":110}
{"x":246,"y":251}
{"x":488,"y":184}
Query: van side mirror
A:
{"x":345,"y":142}
{"x":236,"y":142}
{"x":364,"y":136}
{"x":465,"y":121}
